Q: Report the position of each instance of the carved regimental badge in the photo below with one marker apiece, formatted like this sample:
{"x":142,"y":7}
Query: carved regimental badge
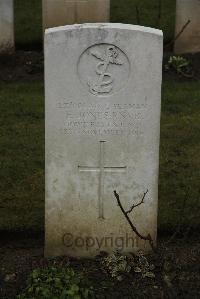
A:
{"x":103,"y":69}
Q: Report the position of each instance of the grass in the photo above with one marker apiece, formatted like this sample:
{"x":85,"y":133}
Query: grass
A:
{"x":124,"y":11}
{"x":179,"y":154}
{"x":28,"y":18}
{"x":22,"y":155}
{"x":28,"y":23}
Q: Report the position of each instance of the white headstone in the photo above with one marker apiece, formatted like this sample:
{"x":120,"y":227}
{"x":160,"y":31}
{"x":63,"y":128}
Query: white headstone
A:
{"x":189,"y":40}
{"x":103,"y":90}
{"x":64,"y":12}
{"x":6,"y":26}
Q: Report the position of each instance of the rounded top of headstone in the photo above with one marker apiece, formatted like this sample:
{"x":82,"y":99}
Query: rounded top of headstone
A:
{"x":119,"y":26}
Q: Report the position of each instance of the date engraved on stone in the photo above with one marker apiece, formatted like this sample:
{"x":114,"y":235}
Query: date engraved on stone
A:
{"x":103,"y":69}
{"x":102,"y":120}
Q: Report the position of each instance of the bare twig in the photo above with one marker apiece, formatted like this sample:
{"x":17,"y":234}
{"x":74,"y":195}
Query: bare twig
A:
{"x":146,"y":238}
{"x":179,"y":34}
{"x":134,"y":206}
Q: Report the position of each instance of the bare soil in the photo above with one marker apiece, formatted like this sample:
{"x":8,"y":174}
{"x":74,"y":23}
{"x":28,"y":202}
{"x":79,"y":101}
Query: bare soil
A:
{"x":21,"y":65}
{"x":29,"y":65}
{"x":177,"y":269}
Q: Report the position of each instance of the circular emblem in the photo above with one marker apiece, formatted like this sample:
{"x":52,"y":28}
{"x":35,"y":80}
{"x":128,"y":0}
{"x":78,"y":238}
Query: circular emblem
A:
{"x":103,"y":69}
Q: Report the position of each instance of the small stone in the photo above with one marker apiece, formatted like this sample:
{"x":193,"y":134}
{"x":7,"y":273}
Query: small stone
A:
{"x":10,"y":277}
{"x":137,"y":270}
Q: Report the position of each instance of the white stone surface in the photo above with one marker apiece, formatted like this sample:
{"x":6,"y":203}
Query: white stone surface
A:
{"x":103,"y":91}
{"x":6,"y":25}
{"x":64,"y":12}
{"x":189,"y":40}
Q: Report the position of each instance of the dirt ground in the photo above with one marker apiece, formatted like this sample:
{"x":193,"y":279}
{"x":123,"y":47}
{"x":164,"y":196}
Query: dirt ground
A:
{"x":21,"y":65}
{"x":177,"y":269}
{"x":29,"y":65}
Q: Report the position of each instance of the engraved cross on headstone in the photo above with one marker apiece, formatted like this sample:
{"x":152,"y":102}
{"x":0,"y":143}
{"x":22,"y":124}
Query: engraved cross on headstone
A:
{"x":101,"y":169}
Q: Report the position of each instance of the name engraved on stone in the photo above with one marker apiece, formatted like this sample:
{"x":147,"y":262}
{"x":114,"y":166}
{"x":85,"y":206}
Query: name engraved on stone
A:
{"x":101,"y":169}
{"x":103,"y":69}
{"x":116,"y":119}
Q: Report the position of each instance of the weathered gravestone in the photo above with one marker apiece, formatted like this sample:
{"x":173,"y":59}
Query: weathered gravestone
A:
{"x":103,"y":85}
{"x":189,"y":40}
{"x":6,"y":26}
{"x":63,"y":12}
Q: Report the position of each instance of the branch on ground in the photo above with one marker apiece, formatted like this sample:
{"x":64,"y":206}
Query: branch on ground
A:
{"x":134,"y":229}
